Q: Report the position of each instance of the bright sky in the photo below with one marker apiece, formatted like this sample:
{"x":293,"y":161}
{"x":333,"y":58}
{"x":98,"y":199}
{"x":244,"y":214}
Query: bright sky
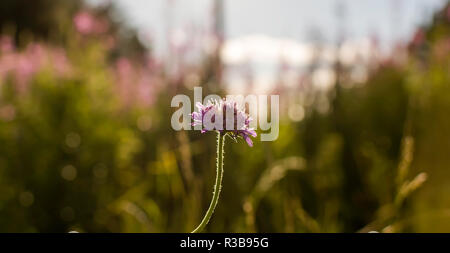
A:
{"x":261,"y":30}
{"x":293,"y":19}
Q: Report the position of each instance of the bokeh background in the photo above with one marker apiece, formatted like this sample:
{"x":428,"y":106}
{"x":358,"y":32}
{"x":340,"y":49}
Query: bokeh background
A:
{"x":86,"y":142}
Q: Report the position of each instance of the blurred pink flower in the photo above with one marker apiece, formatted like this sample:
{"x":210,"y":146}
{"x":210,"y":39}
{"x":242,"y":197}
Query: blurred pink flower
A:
{"x":86,"y":24}
{"x":135,"y":85}
{"x":110,"y":42}
{"x":448,"y":13}
{"x":23,"y":72}
{"x":7,"y":113}
{"x":22,"y":65}
{"x":419,"y":37}
{"x":145,"y":91}
{"x":125,"y":79}
{"x":60,"y":62}
{"x":442,"y":49}
{"x":6,"y":44}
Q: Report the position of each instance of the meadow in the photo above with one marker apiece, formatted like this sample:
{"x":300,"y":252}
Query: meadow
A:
{"x":86,"y":141}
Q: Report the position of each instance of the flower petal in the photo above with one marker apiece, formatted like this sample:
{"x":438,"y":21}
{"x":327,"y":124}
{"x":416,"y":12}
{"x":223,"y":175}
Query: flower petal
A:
{"x":196,"y":116}
{"x":199,"y":105}
{"x":248,"y":140}
{"x":251,"y":132}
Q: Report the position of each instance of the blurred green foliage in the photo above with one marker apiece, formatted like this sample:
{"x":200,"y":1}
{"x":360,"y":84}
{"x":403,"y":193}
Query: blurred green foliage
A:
{"x":78,"y":151}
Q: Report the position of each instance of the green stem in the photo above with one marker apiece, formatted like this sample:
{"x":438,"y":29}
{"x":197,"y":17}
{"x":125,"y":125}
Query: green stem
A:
{"x":217,"y":186}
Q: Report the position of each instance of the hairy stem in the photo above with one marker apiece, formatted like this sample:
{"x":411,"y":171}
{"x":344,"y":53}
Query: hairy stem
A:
{"x":217,"y":186}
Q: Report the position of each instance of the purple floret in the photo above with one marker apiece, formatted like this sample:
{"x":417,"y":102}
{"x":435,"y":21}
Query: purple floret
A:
{"x":219,"y":110}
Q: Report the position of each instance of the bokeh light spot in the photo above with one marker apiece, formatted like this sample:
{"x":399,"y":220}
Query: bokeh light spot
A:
{"x":296,"y":113}
{"x":144,"y":123}
{"x":26,"y":199}
{"x":73,"y":140}
{"x":69,"y":173}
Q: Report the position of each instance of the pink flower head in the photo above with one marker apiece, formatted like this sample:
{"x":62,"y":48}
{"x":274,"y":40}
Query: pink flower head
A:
{"x":86,"y":23}
{"x":235,"y":124}
{"x":6,"y":44}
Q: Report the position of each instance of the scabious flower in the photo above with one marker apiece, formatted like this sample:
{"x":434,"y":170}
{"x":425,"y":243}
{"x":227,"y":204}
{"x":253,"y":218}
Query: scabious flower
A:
{"x":227,"y":119}
{"x":215,"y":110}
